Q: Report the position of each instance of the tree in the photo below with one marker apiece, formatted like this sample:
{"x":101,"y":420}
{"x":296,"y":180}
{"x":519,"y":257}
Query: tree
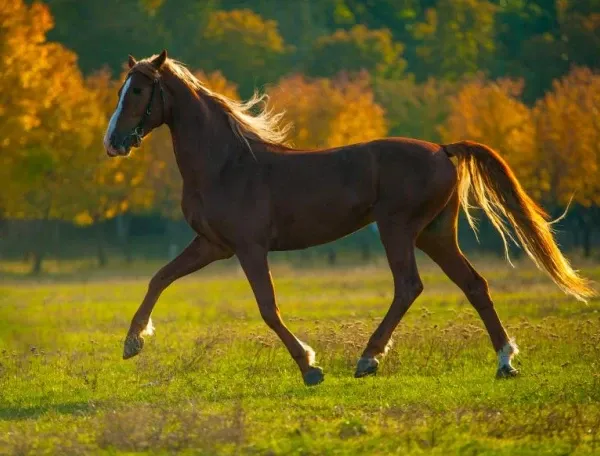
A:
{"x":328,"y":113}
{"x":44,"y":115}
{"x":492,"y":113}
{"x":415,"y":110}
{"x":456,"y":38}
{"x":357,"y":49}
{"x":568,"y":137}
{"x":108,"y":188}
{"x":103,"y":33}
{"x":580,"y":27}
{"x":247,"y":48}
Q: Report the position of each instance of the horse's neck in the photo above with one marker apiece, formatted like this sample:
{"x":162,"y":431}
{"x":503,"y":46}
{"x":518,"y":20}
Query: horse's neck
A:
{"x":202,"y":139}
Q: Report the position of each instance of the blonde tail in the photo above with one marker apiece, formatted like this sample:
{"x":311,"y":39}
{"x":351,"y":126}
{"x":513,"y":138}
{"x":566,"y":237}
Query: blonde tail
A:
{"x":485,"y":175}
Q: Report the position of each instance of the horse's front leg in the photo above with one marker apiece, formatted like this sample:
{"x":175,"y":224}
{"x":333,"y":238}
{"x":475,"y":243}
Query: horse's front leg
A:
{"x":255,"y":265}
{"x":199,"y":253}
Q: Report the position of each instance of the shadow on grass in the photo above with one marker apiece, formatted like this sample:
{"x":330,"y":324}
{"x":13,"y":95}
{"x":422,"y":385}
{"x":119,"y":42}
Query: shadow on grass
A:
{"x":24,"y":413}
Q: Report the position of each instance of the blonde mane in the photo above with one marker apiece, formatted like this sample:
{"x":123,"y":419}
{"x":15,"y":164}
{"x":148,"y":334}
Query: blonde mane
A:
{"x":249,"y":120}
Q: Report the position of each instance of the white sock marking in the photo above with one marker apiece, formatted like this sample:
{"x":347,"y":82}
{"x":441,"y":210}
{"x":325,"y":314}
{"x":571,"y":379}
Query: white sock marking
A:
{"x":149,"y":329}
{"x":387,"y":348}
{"x":507,"y":352}
{"x":310,"y":353}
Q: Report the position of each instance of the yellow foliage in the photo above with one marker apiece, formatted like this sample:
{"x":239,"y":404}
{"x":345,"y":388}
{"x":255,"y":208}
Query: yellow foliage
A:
{"x":247,"y":26}
{"x":568,"y":137}
{"x":83,"y":218}
{"x":490,"y":112}
{"x":327,"y":113}
{"x":47,"y":116}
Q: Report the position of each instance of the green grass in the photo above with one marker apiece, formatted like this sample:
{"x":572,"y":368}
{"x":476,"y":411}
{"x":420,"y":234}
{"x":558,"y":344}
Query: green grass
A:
{"x":214,"y":379}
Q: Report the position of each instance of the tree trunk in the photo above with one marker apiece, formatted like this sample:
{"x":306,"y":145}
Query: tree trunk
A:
{"x":39,"y":246}
{"x":585,"y":224}
{"x":123,"y":225}
{"x":587,"y":241}
{"x":100,"y":245}
{"x":332,"y":257}
{"x":38,"y":257}
{"x":172,"y":247}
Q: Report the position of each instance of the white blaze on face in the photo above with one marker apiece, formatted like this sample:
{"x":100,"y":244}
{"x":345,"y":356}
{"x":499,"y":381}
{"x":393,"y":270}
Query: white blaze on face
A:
{"x":114,"y":118}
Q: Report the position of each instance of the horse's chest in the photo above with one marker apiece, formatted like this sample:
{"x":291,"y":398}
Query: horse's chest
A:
{"x":198,"y":215}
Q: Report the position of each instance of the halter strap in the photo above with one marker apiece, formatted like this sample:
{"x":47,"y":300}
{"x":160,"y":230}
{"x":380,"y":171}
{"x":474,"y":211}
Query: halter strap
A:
{"x":138,"y":132}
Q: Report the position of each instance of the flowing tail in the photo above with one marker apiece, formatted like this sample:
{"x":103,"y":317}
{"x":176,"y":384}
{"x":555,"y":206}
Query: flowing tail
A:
{"x":485,"y":175}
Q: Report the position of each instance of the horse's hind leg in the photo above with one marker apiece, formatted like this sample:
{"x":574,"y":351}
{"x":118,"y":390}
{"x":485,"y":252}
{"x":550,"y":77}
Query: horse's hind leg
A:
{"x":439,"y":241}
{"x":398,"y":241}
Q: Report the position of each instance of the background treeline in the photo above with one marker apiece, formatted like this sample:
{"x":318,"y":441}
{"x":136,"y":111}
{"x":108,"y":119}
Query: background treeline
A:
{"x":518,"y":75}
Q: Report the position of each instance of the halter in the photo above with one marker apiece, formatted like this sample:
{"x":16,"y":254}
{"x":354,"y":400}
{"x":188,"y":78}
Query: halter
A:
{"x":138,"y":131}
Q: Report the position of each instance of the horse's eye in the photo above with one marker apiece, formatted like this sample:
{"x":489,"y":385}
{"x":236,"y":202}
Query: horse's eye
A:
{"x":137,"y":91}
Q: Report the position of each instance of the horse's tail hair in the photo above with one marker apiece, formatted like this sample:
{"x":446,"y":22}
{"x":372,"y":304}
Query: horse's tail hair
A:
{"x":483,"y":174}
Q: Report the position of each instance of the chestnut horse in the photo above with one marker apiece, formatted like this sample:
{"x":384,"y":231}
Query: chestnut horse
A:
{"x":245,"y":193}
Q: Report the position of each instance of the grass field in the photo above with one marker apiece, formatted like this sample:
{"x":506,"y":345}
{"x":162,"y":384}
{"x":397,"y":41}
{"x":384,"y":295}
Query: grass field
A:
{"x":214,"y":379}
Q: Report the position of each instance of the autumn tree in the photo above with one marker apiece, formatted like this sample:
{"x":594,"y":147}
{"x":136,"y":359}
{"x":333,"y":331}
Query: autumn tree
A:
{"x":491,"y":112}
{"x":568,"y":141}
{"x":327,"y":113}
{"x":109,"y":188}
{"x":357,"y":49}
{"x":46,"y":118}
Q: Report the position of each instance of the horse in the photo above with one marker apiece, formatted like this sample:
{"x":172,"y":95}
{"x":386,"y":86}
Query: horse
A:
{"x":246,"y":193}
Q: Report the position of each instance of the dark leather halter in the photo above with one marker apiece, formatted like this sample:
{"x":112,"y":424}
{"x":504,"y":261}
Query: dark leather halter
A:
{"x":138,"y":131}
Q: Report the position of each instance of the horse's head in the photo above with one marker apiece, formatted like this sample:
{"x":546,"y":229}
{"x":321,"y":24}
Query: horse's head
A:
{"x":140,"y":108}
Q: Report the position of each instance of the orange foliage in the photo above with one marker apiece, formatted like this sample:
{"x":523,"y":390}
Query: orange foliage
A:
{"x":491,"y":113}
{"x":568,"y":128}
{"x":328,"y":113}
{"x":46,"y":116}
{"x":107,"y":187}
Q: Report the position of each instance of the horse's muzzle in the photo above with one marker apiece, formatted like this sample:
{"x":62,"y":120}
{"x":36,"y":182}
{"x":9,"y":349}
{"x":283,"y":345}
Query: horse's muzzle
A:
{"x":121,"y":146}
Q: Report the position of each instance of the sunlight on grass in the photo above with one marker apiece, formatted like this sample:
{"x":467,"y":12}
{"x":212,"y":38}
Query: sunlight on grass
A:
{"x":216,"y":379}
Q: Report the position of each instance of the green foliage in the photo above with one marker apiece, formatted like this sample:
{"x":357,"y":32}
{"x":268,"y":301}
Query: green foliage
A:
{"x":456,"y":38}
{"x":355,"y":50}
{"x":216,"y":380}
{"x":415,"y":110}
{"x":259,"y":48}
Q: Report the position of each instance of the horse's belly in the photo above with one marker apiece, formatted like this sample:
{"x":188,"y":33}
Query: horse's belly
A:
{"x":306,"y":228}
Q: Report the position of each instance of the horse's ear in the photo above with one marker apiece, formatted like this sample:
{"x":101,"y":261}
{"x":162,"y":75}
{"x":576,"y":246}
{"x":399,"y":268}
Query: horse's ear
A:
{"x":158,"y":61}
{"x":131,"y":61}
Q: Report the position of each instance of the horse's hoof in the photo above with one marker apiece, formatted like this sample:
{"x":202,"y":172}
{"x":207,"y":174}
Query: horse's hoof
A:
{"x":366,"y":366}
{"x":506,"y":371}
{"x":133,"y":345}
{"x":314,"y":376}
